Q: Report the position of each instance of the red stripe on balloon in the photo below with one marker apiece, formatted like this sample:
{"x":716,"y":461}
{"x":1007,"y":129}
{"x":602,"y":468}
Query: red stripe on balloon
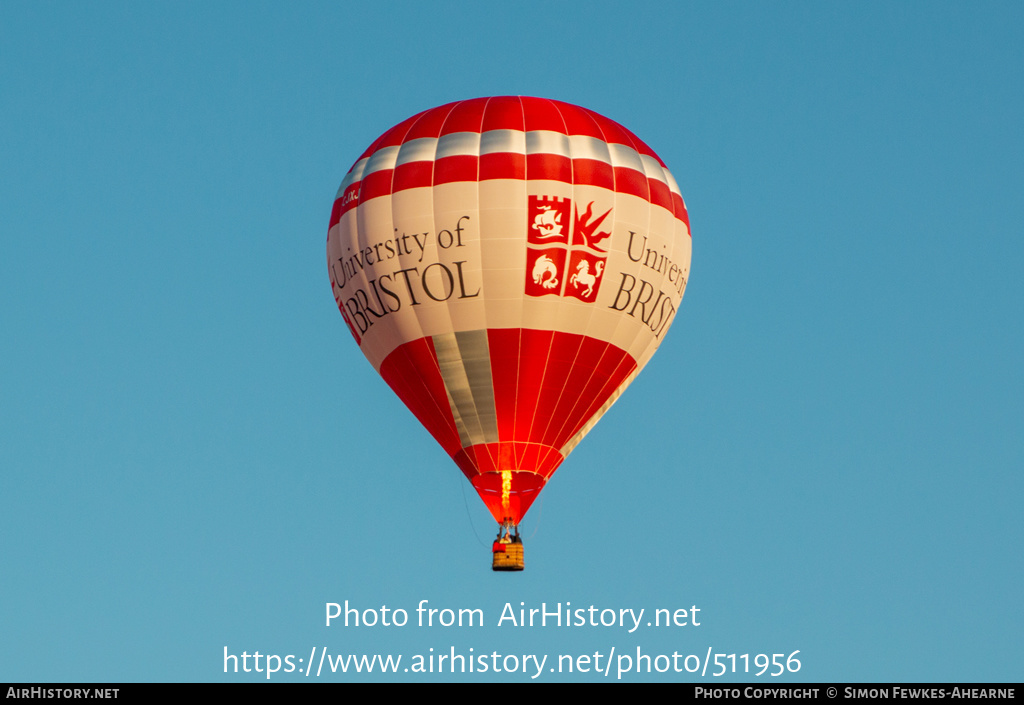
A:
{"x":509,"y":165}
{"x":547,"y":386}
{"x":631,"y":181}
{"x":502,"y":165}
{"x":344,"y":203}
{"x":594,"y":368}
{"x":413,"y":175}
{"x":680,"y":210}
{"x":376,"y":184}
{"x":504,"y":353}
{"x":337,"y":210}
{"x":453,"y":169}
{"x":411,"y":370}
{"x":591,"y":172}
{"x":661,"y":195}
{"x":551,"y":167}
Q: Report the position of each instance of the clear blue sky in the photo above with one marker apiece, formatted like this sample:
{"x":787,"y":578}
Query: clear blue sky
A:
{"x":825,"y":455}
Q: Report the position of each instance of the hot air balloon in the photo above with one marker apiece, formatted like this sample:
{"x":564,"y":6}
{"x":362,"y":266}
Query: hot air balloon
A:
{"x":508,"y":265}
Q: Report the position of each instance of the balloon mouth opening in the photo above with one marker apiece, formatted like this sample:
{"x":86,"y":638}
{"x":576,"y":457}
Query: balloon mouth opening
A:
{"x":508,"y":494}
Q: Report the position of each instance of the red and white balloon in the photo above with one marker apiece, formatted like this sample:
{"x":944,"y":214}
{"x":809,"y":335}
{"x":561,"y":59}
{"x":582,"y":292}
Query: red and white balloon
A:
{"x":508,"y":265}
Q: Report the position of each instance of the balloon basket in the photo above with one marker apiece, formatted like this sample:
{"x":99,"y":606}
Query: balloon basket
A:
{"x":507,"y":556}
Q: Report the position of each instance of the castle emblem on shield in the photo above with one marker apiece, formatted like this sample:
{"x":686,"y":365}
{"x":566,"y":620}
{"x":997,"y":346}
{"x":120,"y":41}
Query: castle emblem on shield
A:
{"x":556,"y":265}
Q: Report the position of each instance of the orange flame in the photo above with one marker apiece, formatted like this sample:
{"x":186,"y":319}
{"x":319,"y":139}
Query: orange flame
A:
{"x":506,"y":488}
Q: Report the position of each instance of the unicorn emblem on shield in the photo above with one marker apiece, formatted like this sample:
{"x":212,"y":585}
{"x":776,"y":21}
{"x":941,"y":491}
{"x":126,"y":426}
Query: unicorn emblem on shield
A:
{"x":583,"y":277}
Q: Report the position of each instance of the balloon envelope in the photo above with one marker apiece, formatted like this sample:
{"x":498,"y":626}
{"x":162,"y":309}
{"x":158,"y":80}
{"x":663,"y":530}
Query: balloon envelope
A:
{"x":508,"y":265}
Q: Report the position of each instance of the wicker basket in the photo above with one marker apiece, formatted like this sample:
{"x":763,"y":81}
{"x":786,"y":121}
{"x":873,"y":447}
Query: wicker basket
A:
{"x":507,"y":556}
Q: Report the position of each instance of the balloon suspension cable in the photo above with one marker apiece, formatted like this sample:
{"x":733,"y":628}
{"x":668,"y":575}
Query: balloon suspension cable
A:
{"x":509,"y":531}
{"x":540,"y":513}
{"x":469,"y":517}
